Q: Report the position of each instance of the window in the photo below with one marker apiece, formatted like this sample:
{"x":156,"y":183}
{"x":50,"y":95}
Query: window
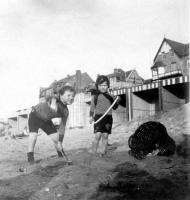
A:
{"x":49,"y":92}
{"x":118,"y":79}
{"x":134,"y":80}
{"x":173,"y":66}
{"x":111,"y":80}
{"x":188,"y":63}
{"x":154,"y":74}
{"x":161,"y":70}
{"x":164,"y":56}
{"x":171,"y":52}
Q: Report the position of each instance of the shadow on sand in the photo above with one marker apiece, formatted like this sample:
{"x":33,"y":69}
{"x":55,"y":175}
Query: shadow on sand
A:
{"x":24,"y":186}
{"x":129,"y":182}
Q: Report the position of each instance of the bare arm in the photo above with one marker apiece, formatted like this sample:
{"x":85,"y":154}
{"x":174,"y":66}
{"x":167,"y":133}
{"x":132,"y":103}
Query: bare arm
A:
{"x":53,"y":104}
{"x":92,"y":107}
{"x":117,"y":103}
{"x":62,"y":129}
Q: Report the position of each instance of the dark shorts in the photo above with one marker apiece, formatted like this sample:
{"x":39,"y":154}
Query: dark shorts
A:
{"x":34,"y":123}
{"x":103,"y":126}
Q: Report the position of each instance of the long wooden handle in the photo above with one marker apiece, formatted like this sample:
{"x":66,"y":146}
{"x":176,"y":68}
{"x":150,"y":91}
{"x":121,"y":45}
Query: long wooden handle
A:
{"x":64,"y":155}
{"x":107,"y":111}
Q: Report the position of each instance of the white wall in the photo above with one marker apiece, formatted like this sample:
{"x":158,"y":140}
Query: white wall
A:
{"x":78,"y":112}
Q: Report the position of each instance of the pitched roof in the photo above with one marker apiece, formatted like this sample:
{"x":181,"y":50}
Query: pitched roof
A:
{"x":179,"y":48}
{"x":71,"y":79}
{"x":67,"y":79}
{"x":127,"y":73}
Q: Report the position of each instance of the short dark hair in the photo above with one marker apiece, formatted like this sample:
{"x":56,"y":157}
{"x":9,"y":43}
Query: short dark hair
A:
{"x":65,"y":88}
{"x":101,"y":79}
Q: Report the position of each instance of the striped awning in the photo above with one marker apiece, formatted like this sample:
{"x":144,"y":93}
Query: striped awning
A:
{"x":154,"y":85}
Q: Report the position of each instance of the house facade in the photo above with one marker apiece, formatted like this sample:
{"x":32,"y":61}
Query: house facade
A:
{"x":171,"y":60}
{"x":120,"y":78}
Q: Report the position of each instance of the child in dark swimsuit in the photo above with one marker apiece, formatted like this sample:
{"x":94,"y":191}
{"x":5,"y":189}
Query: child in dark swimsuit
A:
{"x":100,"y":103}
{"x":42,"y":116}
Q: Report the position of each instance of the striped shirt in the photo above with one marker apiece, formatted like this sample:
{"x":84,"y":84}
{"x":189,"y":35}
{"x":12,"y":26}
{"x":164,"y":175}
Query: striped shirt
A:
{"x":101,"y":107}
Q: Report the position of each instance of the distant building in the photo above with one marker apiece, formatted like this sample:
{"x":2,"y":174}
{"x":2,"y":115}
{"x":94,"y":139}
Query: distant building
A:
{"x":80,"y":81}
{"x":19,"y":121}
{"x":2,"y":125}
{"x":120,"y":78}
{"x":171,"y":60}
{"x":167,"y":89}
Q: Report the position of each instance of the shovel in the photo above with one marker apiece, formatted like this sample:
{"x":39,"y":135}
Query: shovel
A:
{"x":69,"y":162}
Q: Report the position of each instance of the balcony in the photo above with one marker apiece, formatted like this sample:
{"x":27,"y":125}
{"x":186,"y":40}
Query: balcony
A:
{"x":161,"y":70}
{"x":167,"y":74}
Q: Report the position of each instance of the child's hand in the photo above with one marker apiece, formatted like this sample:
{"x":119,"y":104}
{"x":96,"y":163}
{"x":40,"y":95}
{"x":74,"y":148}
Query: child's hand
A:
{"x":56,"y":121}
{"x":91,"y":120}
{"x":118,"y":99}
{"x":53,"y":104}
{"x":60,"y":147}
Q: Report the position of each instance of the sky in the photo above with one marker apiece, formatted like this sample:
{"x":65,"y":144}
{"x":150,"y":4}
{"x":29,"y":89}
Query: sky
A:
{"x":45,"y":40}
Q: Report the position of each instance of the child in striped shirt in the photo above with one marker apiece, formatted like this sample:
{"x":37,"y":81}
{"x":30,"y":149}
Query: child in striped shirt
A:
{"x":100,"y":103}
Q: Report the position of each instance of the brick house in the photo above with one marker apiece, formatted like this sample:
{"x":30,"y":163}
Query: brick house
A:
{"x":80,"y":81}
{"x":171,"y":60}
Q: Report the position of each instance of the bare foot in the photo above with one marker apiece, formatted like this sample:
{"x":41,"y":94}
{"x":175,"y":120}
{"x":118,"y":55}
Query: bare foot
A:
{"x":103,"y":154}
{"x":92,"y":151}
{"x":69,"y":162}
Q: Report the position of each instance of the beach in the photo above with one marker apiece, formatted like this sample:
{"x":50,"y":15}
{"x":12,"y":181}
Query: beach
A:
{"x":114,"y":176}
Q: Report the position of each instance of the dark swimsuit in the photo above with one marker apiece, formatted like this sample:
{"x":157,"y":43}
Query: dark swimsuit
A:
{"x":41,"y":115}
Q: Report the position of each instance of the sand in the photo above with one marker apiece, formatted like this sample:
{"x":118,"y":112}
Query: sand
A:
{"x":115,"y":176}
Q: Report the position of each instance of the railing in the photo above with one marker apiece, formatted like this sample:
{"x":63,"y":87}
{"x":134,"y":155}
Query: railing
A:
{"x":167,"y":74}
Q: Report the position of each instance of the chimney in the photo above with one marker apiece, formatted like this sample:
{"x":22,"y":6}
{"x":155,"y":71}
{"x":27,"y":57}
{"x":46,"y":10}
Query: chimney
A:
{"x":78,"y":81}
{"x":115,"y":70}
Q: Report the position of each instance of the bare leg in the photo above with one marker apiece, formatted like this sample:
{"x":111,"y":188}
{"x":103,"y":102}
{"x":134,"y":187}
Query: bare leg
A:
{"x":104,"y":143}
{"x":96,"y":142}
{"x":55,"y":138}
{"x":32,"y":141}
{"x":31,"y":144}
